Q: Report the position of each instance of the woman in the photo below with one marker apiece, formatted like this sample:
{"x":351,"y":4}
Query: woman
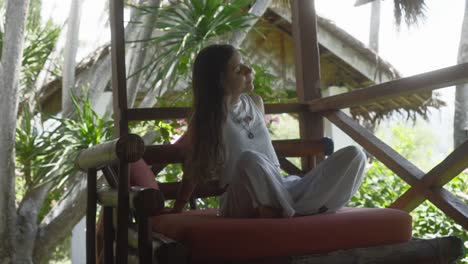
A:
{"x":228,"y":140}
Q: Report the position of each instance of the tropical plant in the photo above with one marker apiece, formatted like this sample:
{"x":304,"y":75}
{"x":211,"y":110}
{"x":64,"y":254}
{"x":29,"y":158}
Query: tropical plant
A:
{"x":266,"y":85}
{"x":85,"y":130}
{"x":39,"y":43}
{"x":187,"y":27}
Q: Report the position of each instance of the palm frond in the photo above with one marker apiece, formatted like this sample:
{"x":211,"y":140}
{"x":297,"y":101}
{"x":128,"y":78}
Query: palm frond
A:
{"x":187,"y":27}
{"x":413,"y":11}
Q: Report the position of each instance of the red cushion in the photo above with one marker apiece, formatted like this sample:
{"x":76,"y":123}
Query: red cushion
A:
{"x":213,"y":238}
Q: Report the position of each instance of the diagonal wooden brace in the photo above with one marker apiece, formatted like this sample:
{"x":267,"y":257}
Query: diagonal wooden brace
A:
{"x":440,"y":175}
{"x":443,"y":199}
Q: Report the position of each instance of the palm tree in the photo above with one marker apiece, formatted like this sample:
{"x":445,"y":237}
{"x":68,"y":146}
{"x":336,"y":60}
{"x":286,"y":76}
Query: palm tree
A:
{"x":460,"y":121}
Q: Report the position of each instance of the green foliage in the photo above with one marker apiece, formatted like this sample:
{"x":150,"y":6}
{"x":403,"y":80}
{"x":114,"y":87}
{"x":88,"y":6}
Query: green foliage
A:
{"x":266,"y":86}
{"x":381,"y":187}
{"x":46,"y":153}
{"x":36,"y":149}
{"x":34,"y":15}
{"x":86,"y":130}
{"x":39,"y":43}
{"x":188,"y":26}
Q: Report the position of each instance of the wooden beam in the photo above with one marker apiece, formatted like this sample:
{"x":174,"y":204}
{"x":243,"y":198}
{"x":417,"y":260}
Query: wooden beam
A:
{"x":173,"y":153}
{"x":384,"y":153}
{"x":428,"y":251}
{"x":307,"y":61}
{"x":286,"y":108}
{"x":428,"y":81}
{"x":161,"y":113}
{"x":444,"y":200}
{"x":119,"y":80}
{"x":452,"y":166}
{"x":451,"y":205}
{"x":163,"y":154}
{"x":289,"y":167}
{"x":302,"y":147}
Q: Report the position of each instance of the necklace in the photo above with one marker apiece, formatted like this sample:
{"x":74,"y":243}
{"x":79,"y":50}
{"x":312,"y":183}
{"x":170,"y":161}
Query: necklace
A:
{"x":247,"y":119}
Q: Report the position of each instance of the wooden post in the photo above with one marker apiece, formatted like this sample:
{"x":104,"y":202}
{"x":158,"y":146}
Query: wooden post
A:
{"x":91,"y":217}
{"x":145,"y":247}
{"x":108,"y":236}
{"x":119,"y":89}
{"x":119,"y":80}
{"x":307,"y":58}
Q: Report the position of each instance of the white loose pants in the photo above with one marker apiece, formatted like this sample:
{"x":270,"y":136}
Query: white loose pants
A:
{"x":258,"y":182}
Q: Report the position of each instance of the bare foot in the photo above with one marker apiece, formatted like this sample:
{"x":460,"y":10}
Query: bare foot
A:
{"x":268,"y":212}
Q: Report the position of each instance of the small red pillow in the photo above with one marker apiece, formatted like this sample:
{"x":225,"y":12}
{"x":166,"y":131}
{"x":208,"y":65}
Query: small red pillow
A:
{"x":141,"y":175}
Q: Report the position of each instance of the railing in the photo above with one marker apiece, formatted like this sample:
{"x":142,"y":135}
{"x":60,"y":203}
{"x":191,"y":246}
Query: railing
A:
{"x":424,"y":185}
{"x":311,"y":109}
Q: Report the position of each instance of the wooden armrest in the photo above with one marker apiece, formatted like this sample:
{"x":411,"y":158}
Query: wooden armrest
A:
{"x":128,"y":148}
{"x":164,"y":154}
{"x":207,"y":189}
{"x":145,"y":201}
{"x":173,"y":153}
{"x":303,"y":147}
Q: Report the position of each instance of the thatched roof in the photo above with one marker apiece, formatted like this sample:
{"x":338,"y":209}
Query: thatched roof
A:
{"x":50,"y":96}
{"x":347,"y":62}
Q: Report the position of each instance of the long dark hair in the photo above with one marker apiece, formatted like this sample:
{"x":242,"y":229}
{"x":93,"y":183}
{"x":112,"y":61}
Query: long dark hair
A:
{"x":209,"y":111}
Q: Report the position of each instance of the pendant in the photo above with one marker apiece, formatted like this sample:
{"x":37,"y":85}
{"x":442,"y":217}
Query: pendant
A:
{"x":251,"y":135}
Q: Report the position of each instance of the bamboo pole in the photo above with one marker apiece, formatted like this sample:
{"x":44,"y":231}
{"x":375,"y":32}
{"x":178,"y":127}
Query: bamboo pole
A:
{"x":119,"y":89}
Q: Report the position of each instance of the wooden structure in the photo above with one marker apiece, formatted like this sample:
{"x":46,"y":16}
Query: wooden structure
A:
{"x":345,"y":62}
{"x":312,"y":108}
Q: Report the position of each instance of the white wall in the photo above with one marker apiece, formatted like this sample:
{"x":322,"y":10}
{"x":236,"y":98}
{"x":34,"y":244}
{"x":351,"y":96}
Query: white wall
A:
{"x":78,"y":243}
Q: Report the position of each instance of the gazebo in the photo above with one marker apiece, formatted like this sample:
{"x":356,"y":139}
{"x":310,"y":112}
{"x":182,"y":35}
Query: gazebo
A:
{"x":141,"y":204}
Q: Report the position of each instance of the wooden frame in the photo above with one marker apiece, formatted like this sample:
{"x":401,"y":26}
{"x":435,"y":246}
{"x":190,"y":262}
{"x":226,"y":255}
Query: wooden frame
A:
{"x":307,"y":61}
{"x":311,"y":109}
{"x":430,"y":188}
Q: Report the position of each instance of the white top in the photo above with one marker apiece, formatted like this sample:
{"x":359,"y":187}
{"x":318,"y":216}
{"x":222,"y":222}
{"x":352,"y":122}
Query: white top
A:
{"x":243,"y":119}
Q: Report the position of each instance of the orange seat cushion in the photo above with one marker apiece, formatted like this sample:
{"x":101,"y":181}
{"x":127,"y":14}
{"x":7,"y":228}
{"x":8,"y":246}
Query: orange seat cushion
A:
{"x":210,"y":237}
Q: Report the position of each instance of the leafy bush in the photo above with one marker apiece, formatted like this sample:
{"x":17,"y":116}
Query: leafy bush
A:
{"x":381,"y":187}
